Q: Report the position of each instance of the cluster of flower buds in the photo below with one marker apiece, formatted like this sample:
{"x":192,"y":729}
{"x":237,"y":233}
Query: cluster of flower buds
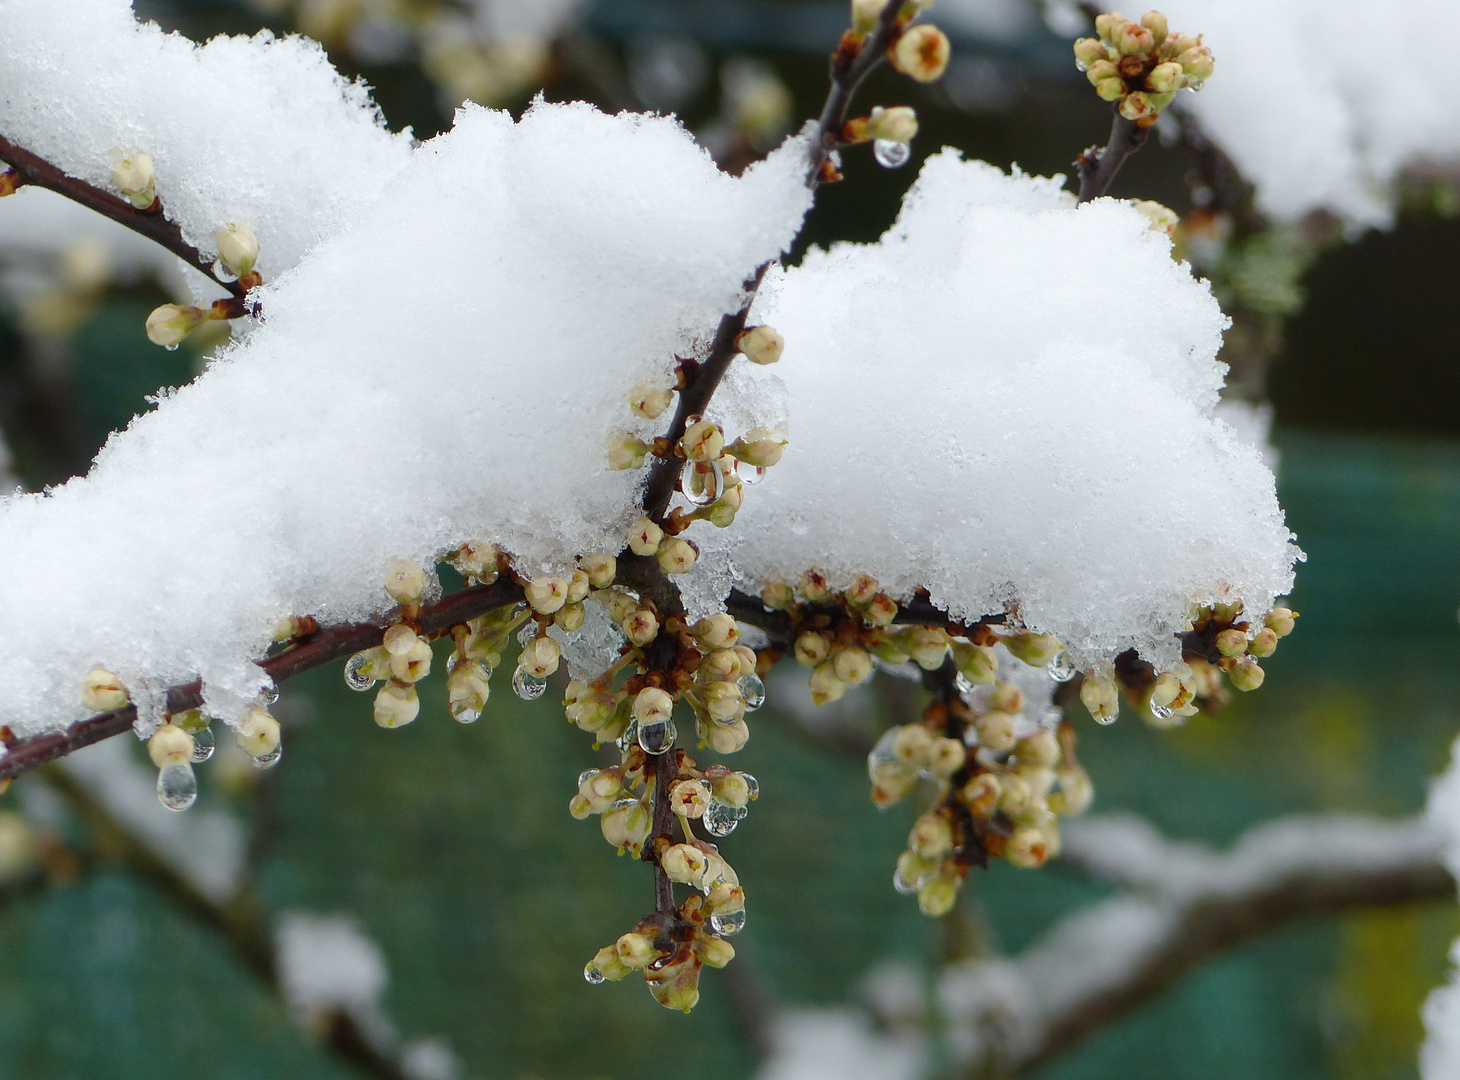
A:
{"x":890,"y":131}
{"x":919,"y":52}
{"x":238,"y":250}
{"x":1217,"y":641}
{"x":1141,"y":65}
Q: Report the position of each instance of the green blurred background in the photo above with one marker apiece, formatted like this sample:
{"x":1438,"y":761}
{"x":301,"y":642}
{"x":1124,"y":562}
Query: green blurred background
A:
{"x":452,"y":846}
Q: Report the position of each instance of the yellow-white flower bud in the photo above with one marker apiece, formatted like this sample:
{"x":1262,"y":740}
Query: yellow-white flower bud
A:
{"x":720,"y":665}
{"x":995,"y":730}
{"x":578,"y":586}
{"x":1263,"y":643}
{"x":938,"y":893}
{"x":626,"y":451}
{"x":1026,"y":848}
{"x":686,"y":864}
{"x":716,"y":952}
{"x":865,"y":14}
{"x":1165,"y":690}
{"x":947,"y":756}
{"x":880,"y":611}
{"x":922,"y":53}
{"x":1014,"y":793}
{"x":627,"y":826}
{"x":546,"y":595}
{"x":135,"y":177}
{"x":476,"y":559}
{"x":1110,"y":89}
{"x":605,"y":966}
{"x":540,"y":657}
{"x":732,"y":788}
{"x":1280,"y":621}
{"x":102,"y":691}
{"x":814,"y":588}
{"x":1075,"y":791}
{"x":898,"y":124}
{"x":1040,"y":748}
{"x":677,"y":556}
{"x":717,"y":631}
{"x":981,"y":794}
{"x":703,"y":441}
{"x":891,"y":781}
{"x":641,"y":627}
{"x":1162,"y":218}
{"x":927,"y":645}
{"x":170,"y":323}
{"x":1104,"y":71}
{"x":414,"y":664}
{"x":1231,"y":642}
{"x":468,"y":687}
{"x":1198,"y":63}
{"x":1089,"y":51}
{"x":777,"y":595}
{"x":913,"y":743}
{"x":170,"y":745}
{"x":1246,"y":674}
{"x":852,"y":665}
{"x":724,"y":702}
{"x":644,"y":537}
{"x":1037,"y":650}
{"x":405,"y":581}
{"x":635,"y":951}
{"x":1132,"y":39}
{"x":761,"y":344}
{"x":689,"y":798}
{"x":600,"y":569}
{"x":759,"y":447}
{"x":399,"y":640}
{"x":861,"y":590}
{"x":257,"y":732}
{"x":977,"y":664}
{"x":824,"y":684}
{"x":650,"y":401}
{"x":652,"y":706}
{"x":238,"y":247}
{"x":1136,"y":106}
{"x":396,"y":704}
{"x":570,"y":617}
{"x":728,"y":738}
{"x":1156,"y":23}
{"x":1100,"y":696}
{"x":1166,"y":78}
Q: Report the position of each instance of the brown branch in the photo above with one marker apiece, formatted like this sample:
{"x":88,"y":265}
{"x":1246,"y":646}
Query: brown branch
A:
{"x":1189,"y":905}
{"x":1097,"y":168}
{"x":848,"y":70}
{"x":780,"y":626}
{"x":35,"y":171}
{"x":316,"y":650}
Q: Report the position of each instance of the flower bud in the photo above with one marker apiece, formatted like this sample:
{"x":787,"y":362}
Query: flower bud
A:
{"x":760,"y":344}
{"x":928,"y":645}
{"x":733,"y":789}
{"x":170,"y":323}
{"x":135,"y":177}
{"x":1040,"y":748}
{"x":626,"y":451}
{"x":715,"y":951}
{"x":677,"y":556}
{"x":947,"y":756}
{"x":652,"y":706}
{"x":477,"y":560}
{"x":891,"y":781}
{"x":238,"y":248}
{"x":759,"y":447}
{"x":1136,"y":106}
{"x":880,"y":611}
{"x":1166,"y":78}
{"x":1107,"y":24}
{"x":931,"y":836}
{"x":641,"y":627}
{"x":467,"y":687}
{"x":580,"y":807}
{"x":865,"y":14}
{"x":546,"y":595}
{"x":650,"y":401}
{"x":396,"y":704}
{"x":626,"y":826}
{"x":1101,"y":71}
{"x":995,"y":730}
{"x":777,"y":595}
{"x":717,"y":631}
{"x":1133,"y":39}
{"x":977,"y":664}
{"x":898,"y":124}
{"x":811,"y":648}
{"x":257,"y":732}
{"x":1162,"y":219}
{"x":1075,"y":793}
{"x":644,"y":537}
{"x":414,"y":664}
{"x":1100,"y":696}
{"x":685,"y":864}
{"x":703,"y":441}
{"x":689,"y":798}
{"x":675,"y":986}
{"x":724,"y":702}
{"x":405,"y":581}
{"x":813,"y":587}
{"x":1231,"y":642}
{"x":570,"y":617}
{"x":605,"y":966}
{"x":1156,"y":23}
{"x":1014,"y":793}
{"x":102,"y":691}
{"x":981,"y":794}
{"x":1088,"y":52}
{"x":635,"y":951}
{"x":170,"y":745}
{"x":1026,"y":848}
{"x":600,"y":569}
{"x":540,"y":656}
{"x":1166,"y":689}
{"x":399,"y":639}
{"x":852,"y":665}
{"x":1110,"y":89}
{"x":824,"y":684}
{"x":721,"y":665}
{"x":1198,"y":63}
{"x":728,"y":738}
{"x":938,"y":893}
{"x":1246,"y":674}
{"x":922,"y":53}
{"x":1280,"y":621}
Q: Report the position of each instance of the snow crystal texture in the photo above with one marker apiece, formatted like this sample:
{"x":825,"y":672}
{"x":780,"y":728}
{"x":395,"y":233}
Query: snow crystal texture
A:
{"x":449,"y":367}
{"x":1008,"y":401}
{"x":259,"y":130}
{"x":1299,"y":105}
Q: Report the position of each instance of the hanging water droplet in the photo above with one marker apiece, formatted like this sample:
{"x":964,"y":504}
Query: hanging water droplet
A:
{"x":961,"y":684}
{"x":753,"y":691}
{"x":753,"y":476}
{"x":657,"y":737}
{"x":356,"y":677}
{"x":891,"y":155}
{"x":463,"y":713}
{"x":269,"y":760}
{"x":527,"y":632}
{"x":752,"y":783}
{"x":270,"y":695}
{"x":629,"y":737}
{"x":1162,"y":712}
{"x":452,"y":661}
{"x":177,"y":786}
{"x":729,"y":924}
{"x":203,"y":745}
{"x":703,"y":487}
{"x":1061,"y":668}
{"x":584,"y":775}
{"x":222,"y":273}
{"x":721,"y":818}
{"x":904,"y":885}
{"x":1105,"y":718}
{"x":526,"y":685}
{"x":170,"y":348}
{"x":594,"y":976}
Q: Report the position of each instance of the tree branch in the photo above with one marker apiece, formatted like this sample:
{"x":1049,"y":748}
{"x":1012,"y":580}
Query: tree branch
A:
{"x":1097,"y":168}
{"x":35,"y":171}
{"x":1183,"y":905}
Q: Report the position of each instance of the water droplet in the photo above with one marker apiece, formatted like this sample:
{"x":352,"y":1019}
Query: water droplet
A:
{"x":703,"y":488}
{"x":835,"y":157}
{"x":222,"y":273}
{"x":657,"y":737}
{"x":170,"y":348}
{"x":526,"y":685}
{"x":752,"y":476}
{"x":1104,"y":719}
{"x":721,"y":818}
{"x":594,"y":976}
{"x":177,"y":787}
{"x":728,"y":924}
{"x":962,"y":685}
{"x":629,"y":737}
{"x":584,"y":775}
{"x":891,"y":155}
{"x":270,"y":695}
{"x":1061,"y":669}
{"x":463,"y":713}
{"x":269,"y":760}
{"x":528,"y":632}
{"x":904,"y":885}
{"x":753,"y":691}
{"x":1162,"y":712}
{"x":203,"y":745}
{"x":752,"y":783}
{"x":452,"y":661}
{"x":355,"y":675}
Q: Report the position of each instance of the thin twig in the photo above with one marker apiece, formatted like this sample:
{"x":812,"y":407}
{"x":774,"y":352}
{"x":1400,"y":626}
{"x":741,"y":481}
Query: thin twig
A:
{"x":38,"y":172}
{"x":1097,"y":168}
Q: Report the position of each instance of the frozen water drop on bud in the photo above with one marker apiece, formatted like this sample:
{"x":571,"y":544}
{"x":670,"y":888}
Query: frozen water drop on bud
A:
{"x":177,"y":787}
{"x":1109,"y":718}
{"x":463,"y":713}
{"x":729,"y":924}
{"x":656,"y":737}
{"x":357,"y":671}
{"x":891,"y":155}
{"x":722,"y":818}
{"x":203,"y":745}
{"x":1060,"y":668}
{"x":526,"y":685}
{"x":594,"y":975}
{"x":270,"y":695}
{"x":753,"y":691}
{"x":269,"y":760}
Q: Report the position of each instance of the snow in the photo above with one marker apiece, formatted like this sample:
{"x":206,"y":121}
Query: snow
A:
{"x":1440,"y":1055}
{"x":450,"y":366}
{"x":1296,"y":102}
{"x":839,"y":1044}
{"x":327,"y":962}
{"x":260,"y":130}
{"x":1009,"y":401}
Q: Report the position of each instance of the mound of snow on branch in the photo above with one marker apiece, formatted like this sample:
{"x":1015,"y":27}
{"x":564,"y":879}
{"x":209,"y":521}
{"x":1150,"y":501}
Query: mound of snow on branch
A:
{"x":448,"y":367}
{"x":1008,"y":401}
{"x":259,"y":130}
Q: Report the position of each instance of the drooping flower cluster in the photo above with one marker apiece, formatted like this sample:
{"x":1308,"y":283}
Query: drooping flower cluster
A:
{"x":1141,"y":65}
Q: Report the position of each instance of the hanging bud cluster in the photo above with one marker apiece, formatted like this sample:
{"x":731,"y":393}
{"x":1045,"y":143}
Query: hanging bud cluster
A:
{"x":1140,"y":66}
